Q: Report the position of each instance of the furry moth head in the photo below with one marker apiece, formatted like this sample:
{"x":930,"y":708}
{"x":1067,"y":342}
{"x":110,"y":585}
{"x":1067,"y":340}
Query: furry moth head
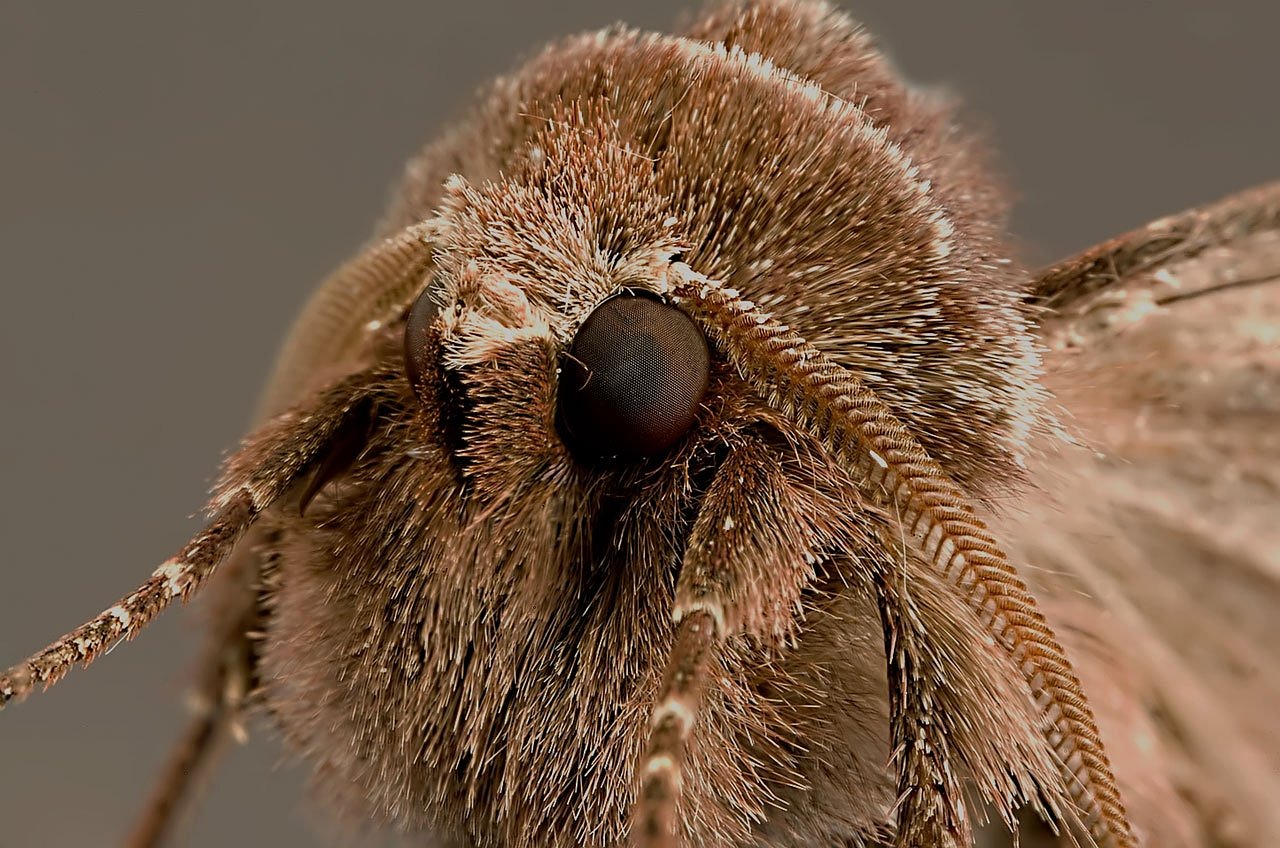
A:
{"x":630,"y":484}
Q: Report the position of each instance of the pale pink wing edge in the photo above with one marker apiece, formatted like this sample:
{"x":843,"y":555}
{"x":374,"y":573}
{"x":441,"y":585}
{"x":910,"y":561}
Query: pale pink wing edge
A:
{"x":1154,"y":542}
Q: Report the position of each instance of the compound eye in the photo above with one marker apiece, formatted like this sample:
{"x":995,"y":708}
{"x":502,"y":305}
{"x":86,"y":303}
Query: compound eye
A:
{"x":420,"y":353}
{"x":633,"y":379}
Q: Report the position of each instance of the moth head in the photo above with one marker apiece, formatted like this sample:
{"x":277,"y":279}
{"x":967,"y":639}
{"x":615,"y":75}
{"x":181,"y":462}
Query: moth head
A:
{"x":579,"y":335}
{"x":545,"y":322}
{"x":588,"y":330}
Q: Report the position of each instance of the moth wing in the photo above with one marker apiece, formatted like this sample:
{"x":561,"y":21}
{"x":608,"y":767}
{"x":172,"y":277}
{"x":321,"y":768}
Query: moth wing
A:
{"x":1154,"y":541}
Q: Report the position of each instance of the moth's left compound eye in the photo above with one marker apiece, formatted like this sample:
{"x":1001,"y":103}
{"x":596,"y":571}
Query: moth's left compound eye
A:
{"x":632,"y":381}
{"x":419,"y":353}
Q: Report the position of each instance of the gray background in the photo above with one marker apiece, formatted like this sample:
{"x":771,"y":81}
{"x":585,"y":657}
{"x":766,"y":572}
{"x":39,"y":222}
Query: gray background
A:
{"x":174,"y":177}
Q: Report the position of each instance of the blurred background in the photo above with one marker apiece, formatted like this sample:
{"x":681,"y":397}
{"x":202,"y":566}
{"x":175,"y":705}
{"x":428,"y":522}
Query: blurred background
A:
{"x":175,"y":177}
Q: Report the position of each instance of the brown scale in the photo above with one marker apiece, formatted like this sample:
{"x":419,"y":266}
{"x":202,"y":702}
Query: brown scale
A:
{"x":638,"y":482}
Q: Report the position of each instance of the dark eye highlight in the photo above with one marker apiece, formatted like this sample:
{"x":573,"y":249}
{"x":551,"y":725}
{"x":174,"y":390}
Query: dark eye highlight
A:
{"x":419,"y":353}
{"x":632,"y":380}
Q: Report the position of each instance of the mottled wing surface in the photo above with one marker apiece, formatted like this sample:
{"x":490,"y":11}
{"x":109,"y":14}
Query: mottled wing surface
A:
{"x":1155,"y":542}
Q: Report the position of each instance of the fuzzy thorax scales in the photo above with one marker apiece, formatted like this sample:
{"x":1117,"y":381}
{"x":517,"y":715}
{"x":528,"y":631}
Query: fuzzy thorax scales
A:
{"x":853,"y":225}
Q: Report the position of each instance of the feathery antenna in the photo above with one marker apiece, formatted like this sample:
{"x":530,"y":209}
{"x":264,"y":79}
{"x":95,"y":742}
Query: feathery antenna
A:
{"x":857,"y":428}
{"x":265,"y":467}
{"x":178,"y":577}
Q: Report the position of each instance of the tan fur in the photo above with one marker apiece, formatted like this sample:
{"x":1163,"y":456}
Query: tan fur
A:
{"x":466,"y":630}
{"x":859,"y":222}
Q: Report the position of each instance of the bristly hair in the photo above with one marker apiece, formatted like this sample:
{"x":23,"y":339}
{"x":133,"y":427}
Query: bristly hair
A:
{"x":847,"y":207}
{"x":469,"y":629}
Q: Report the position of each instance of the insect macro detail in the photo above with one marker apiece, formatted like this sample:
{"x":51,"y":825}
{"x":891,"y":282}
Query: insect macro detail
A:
{"x":684,"y":461}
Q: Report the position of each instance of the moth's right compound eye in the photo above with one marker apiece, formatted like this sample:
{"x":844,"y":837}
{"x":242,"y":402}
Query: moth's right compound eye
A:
{"x":419,"y":352}
{"x":633,"y":379}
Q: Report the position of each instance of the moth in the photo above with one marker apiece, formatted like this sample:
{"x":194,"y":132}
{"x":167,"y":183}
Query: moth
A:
{"x":686,"y":461}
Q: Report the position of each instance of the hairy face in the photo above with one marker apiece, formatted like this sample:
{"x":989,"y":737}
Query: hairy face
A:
{"x":503,"y":578}
{"x":630,"y":487}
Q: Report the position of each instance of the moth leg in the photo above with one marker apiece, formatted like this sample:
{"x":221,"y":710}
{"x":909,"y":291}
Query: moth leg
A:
{"x":189,"y":758}
{"x":228,"y":669}
{"x":656,"y":818}
{"x":748,"y":557}
{"x":261,"y":471}
{"x":198,"y":742}
{"x":967,"y":743}
{"x":362,"y":290}
{"x":930,"y":807}
{"x":226,"y":676}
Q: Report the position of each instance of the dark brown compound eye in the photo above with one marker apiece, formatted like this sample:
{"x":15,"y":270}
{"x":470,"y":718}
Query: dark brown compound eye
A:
{"x":632,"y":380}
{"x":420,"y":352}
